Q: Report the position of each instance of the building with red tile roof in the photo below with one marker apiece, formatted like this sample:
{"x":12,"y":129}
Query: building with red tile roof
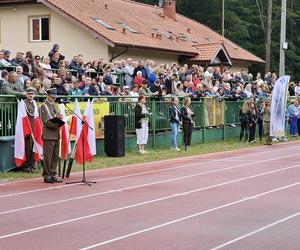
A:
{"x":120,"y":29}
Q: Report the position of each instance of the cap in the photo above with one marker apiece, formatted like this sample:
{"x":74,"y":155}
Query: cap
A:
{"x":52,"y":92}
{"x":6,"y":52}
{"x":31,"y":90}
{"x":267,"y":100}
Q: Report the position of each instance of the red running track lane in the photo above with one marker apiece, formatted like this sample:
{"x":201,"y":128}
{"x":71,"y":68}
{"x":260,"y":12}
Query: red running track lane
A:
{"x":36,"y":185}
{"x":33,"y":200}
{"x":227,"y":200}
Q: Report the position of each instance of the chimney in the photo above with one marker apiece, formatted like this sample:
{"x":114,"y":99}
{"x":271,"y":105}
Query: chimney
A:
{"x":124,"y":30}
{"x":170,"y":9}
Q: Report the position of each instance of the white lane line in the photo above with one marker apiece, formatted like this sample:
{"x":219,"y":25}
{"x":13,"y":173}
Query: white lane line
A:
{"x":256,"y":231}
{"x":187,"y":217}
{"x":137,"y":174}
{"x":148,"y":202}
{"x":138,"y":186}
{"x":178,"y":158}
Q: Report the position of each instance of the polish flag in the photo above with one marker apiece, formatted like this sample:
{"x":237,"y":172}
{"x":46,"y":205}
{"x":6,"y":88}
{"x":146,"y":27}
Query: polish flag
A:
{"x":37,"y":134}
{"x":88,"y":132}
{"x":23,"y":129}
{"x":65,"y":142}
{"x":76,"y":126}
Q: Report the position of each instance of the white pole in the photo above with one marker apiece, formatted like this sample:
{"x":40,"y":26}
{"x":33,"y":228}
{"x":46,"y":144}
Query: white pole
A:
{"x":283,"y":44}
{"x":223,"y":17}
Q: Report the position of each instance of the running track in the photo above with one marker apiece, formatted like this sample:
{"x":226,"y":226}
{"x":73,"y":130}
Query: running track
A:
{"x":245,"y":199}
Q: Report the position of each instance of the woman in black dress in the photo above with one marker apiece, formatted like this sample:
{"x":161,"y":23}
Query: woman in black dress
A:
{"x":187,"y":122}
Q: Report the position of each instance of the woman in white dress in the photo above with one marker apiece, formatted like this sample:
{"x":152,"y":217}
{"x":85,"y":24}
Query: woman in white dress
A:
{"x":141,"y":123}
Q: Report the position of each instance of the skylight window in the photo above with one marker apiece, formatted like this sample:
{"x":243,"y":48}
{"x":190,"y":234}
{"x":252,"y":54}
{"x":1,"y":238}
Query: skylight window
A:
{"x":102,"y":23}
{"x":186,"y":38}
{"x":208,"y":39}
{"x":165,"y":34}
{"x":123,"y":25}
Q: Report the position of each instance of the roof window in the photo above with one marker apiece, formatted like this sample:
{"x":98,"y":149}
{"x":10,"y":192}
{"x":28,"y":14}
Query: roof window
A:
{"x":208,"y":39}
{"x":124,"y":26}
{"x":166,"y":34}
{"x":102,"y":23}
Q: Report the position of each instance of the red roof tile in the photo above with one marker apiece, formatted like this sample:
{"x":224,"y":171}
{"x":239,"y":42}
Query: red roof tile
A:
{"x":206,"y":51}
{"x":144,"y":19}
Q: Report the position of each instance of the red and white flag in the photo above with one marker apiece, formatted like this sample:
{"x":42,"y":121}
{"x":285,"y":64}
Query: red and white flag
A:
{"x":23,"y":129}
{"x":37,"y":135}
{"x":65,"y":148}
{"x":76,"y":126}
{"x":86,"y":145}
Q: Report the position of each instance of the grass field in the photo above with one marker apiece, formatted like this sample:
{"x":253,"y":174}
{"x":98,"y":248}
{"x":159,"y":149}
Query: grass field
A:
{"x":132,"y":157}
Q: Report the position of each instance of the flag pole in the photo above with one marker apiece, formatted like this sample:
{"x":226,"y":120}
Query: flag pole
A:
{"x":83,"y":180}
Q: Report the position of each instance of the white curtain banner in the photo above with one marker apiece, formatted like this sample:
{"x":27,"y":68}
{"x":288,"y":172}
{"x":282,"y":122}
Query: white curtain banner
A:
{"x":278,"y":106}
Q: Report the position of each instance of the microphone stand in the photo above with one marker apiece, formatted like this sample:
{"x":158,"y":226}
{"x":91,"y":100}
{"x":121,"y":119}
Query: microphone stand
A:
{"x":84,"y":180}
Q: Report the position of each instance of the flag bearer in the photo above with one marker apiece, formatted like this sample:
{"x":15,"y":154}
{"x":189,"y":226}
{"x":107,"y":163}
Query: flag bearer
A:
{"x":30,"y":165}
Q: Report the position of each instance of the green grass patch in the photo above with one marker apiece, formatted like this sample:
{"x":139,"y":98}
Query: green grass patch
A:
{"x":133,"y":157}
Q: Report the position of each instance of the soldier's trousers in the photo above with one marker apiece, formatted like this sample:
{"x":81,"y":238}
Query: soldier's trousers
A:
{"x":51,"y":157}
{"x":28,"y":151}
{"x":267,"y":132}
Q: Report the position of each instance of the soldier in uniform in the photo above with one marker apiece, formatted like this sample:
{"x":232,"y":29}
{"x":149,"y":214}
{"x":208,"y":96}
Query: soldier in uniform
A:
{"x":266,"y":110}
{"x":29,"y":165}
{"x":50,"y":136}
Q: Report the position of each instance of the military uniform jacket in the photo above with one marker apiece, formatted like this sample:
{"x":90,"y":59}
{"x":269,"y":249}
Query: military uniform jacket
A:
{"x":266,"y":114}
{"x":30,"y":112}
{"x":50,"y":129}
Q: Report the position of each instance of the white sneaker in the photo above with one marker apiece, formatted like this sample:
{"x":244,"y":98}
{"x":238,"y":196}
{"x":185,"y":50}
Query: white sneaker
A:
{"x":142,"y":151}
{"x":275,"y":140}
{"x":177,"y":149}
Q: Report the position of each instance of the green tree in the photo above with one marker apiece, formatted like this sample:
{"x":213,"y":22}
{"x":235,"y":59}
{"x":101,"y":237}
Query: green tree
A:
{"x":243,"y":26}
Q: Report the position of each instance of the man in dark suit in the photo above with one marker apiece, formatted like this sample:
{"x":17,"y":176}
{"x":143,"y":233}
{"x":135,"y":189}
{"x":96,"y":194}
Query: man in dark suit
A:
{"x":50,"y":136}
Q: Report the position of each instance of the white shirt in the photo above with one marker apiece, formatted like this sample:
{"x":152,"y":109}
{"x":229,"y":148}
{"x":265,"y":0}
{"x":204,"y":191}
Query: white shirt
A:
{"x":297,"y":91}
{"x":134,"y":94}
{"x":4,"y":62}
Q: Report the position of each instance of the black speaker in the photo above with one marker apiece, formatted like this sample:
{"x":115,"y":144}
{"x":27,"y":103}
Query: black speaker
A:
{"x":114,"y":135}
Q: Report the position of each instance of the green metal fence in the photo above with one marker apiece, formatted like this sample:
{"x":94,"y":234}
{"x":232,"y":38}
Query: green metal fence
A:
{"x":8,"y":116}
{"x":209,"y":112}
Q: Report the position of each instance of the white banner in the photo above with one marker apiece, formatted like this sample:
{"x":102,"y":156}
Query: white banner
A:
{"x":278,"y":106}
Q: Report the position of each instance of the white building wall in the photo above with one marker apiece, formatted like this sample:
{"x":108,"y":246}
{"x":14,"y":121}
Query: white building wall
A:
{"x":73,"y":40}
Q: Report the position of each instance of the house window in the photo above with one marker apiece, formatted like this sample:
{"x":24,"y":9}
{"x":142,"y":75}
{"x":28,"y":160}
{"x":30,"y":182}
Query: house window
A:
{"x":39,"y":29}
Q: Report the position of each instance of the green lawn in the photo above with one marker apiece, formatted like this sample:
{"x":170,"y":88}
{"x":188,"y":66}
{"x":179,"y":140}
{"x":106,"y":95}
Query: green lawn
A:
{"x":134,"y":157}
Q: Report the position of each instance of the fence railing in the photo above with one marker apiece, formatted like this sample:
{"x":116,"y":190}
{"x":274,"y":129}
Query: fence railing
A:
{"x":209,"y":112}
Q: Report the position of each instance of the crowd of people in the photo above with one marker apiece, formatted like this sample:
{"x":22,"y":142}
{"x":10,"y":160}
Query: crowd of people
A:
{"x":78,"y":77}
{"x":145,"y":78}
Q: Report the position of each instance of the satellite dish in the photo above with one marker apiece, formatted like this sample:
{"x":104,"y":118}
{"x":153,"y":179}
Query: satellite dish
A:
{"x":161,"y":3}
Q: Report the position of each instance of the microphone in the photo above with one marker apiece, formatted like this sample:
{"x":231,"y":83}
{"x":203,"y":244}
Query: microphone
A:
{"x":63,"y":100}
